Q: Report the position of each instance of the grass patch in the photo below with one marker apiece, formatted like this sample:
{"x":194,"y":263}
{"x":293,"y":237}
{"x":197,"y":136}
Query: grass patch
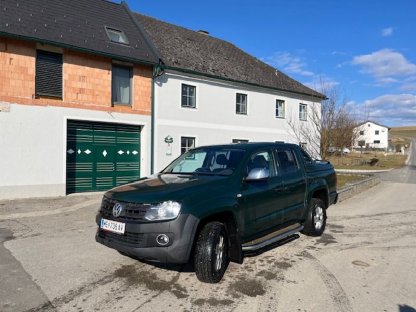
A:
{"x":402,"y":135}
{"x":363,"y":161}
{"x":344,"y":179}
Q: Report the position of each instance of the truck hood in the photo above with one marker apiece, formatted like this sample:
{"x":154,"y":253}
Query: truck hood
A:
{"x":164,"y":187}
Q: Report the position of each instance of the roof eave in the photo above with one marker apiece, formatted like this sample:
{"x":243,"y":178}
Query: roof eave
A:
{"x":189,"y":71}
{"x":79,"y":49}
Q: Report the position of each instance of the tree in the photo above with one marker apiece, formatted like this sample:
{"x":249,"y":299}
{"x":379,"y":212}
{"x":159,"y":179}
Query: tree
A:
{"x":329,"y":125}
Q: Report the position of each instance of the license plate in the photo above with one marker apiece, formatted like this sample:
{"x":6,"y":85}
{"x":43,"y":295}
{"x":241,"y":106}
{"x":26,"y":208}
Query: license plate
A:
{"x":112,"y":226}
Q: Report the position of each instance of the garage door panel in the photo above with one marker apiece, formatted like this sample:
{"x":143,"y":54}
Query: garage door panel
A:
{"x":101,"y":156}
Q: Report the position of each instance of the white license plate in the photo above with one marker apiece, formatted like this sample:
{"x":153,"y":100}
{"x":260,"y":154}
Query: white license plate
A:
{"x":113,"y":226}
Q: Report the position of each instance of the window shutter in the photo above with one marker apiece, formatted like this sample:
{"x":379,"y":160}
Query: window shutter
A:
{"x":48,"y":74}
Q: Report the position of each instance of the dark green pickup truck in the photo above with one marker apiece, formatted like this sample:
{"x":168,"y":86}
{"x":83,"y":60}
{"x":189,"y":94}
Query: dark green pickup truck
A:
{"x":215,"y":204}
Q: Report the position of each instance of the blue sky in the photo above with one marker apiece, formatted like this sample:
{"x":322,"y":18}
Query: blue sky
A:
{"x":365,"y":49}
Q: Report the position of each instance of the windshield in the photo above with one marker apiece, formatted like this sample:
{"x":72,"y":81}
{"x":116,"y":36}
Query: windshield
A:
{"x":208,"y":161}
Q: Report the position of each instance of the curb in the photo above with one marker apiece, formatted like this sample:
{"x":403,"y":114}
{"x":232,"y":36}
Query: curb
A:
{"x":355,"y":188}
{"x":361,"y":171}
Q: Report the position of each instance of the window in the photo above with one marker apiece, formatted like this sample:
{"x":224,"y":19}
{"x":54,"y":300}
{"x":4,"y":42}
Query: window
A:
{"x":302,"y":111}
{"x":241,"y":104}
{"x":239,"y":141}
{"x":121,"y":84}
{"x":262,"y":160}
{"x":48,"y":79}
{"x":377,"y":132}
{"x":187,"y":143}
{"x":287,"y":161}
{"x":280,"y":109}
{"x":306,"y":157}
{"x":376,"y":141}
{"x":116,"y":35}
{"x":188,"y":96}
{"x":361,"y":132}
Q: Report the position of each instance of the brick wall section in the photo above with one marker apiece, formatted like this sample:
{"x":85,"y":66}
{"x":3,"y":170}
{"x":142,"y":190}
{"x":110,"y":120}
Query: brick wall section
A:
{"x":87,"y":80}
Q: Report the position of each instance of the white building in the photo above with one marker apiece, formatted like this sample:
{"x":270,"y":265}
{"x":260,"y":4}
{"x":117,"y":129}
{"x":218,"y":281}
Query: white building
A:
{"x":208,"y":91}
{"x":371,"y":135}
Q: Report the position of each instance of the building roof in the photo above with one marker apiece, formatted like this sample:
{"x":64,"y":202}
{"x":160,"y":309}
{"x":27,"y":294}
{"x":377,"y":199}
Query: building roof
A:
{"x":77,"y":24}
{"x":363,"y":123}
{"x":193,"y":51}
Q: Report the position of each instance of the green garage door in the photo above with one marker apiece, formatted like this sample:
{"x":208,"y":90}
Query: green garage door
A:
{"x":101,"y":155}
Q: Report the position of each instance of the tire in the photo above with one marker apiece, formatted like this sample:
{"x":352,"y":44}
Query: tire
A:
{"x":211,"y":253}
{"x":316,"y":220}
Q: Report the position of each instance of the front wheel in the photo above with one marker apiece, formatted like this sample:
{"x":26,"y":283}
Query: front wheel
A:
{"x":316,"y":220}
{"x":211,"y":253}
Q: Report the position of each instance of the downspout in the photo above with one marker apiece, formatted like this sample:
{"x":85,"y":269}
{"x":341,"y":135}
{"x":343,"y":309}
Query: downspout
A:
{"x":157,"y":71}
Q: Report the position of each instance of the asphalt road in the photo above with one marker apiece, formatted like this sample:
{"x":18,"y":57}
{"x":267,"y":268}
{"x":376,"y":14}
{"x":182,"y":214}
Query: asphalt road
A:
{"x":365,"y":261}
{"x":408,"y":173}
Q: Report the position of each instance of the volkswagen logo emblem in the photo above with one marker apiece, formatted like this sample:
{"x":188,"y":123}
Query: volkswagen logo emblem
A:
{"x":117,"y":209}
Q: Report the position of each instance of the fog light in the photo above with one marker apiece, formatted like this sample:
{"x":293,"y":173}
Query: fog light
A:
{"x":162,"y":239}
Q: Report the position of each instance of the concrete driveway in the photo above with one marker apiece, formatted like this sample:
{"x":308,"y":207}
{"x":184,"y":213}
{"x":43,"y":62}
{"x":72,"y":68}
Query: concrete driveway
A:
{"x":365,"y":261}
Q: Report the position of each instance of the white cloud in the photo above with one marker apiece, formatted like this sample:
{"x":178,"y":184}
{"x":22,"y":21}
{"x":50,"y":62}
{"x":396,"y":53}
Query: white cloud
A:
{"x":385,"y":64}
{"x":387,"y":32}
{"x":322,"y":82}
{"x":288,"y":63}
{"x":391,"y":109}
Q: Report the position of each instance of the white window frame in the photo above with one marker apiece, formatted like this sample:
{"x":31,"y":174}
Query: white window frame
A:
{"x":187,"y":147}
{"x":188,"y":96}
{"x":239,"y":104}
{"x":280,"y":112}
{"x":303,"y":111}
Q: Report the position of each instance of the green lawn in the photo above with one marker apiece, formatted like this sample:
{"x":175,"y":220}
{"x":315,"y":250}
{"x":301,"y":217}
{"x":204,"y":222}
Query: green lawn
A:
{"x":344,"y":179}
{"x":362,"y":161}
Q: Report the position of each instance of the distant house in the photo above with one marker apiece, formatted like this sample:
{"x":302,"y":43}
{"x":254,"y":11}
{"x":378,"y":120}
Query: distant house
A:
{"x":75,"y":97}
{"x":209,"y":91}
{"x":371,"y":135}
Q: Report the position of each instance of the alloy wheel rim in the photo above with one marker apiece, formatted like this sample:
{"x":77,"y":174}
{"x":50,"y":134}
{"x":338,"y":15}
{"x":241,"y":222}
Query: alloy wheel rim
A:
{"x":318,"y":218}
{"x":219,"y":252}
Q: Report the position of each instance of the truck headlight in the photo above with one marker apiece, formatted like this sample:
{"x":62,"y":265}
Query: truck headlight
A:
{"x":164,"y":211}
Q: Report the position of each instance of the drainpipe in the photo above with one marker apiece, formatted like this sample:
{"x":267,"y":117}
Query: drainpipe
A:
{"x":157,"y":71}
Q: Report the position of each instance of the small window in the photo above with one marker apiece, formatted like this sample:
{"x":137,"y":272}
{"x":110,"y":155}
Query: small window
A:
{"x":377,"y":132}
{"x":361,"y":132}
{"x":121,"y":85}
{"x":187,"y":143}
{"x":188,"y":96}
{"x":280,"y":109}
{"x":303,"y":110}
{"x":241,"y":104}
{"x":376,"y":141}
{"x":116,"y":35}
{"x":240,"y":141}
{"x":48,"y":79}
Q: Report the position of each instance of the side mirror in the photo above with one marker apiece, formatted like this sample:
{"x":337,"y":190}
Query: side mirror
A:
{"x":258,"y":174}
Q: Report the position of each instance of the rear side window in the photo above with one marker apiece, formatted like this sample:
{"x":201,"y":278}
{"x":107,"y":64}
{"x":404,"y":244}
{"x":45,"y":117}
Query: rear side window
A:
{"x":287,"y":160}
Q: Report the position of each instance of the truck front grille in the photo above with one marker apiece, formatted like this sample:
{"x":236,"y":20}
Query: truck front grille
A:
{"x":131,"y":211}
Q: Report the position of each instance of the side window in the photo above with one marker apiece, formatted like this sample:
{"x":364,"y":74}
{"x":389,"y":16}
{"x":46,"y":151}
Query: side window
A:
{"x":262,"y":160}
{"x":306,"y":156}
{"x":287,"y":160}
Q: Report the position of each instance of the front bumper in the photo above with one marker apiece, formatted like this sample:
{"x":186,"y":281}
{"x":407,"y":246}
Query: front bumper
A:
{"x":139,"y":239}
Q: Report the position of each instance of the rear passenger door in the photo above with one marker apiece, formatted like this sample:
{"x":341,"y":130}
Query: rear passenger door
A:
{"x":294,"y":181}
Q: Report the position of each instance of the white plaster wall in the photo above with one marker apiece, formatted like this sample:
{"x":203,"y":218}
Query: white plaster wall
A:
{"x":369,"y":135}
{"x":33,"y":147}
{"x":214,"y":121}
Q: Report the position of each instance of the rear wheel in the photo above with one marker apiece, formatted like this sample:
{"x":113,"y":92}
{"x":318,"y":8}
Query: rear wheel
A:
{"x":316,"y":220}
{"x":211,"y":253}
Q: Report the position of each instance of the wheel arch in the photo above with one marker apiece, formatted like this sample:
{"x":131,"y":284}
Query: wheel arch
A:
{"x":234,"y":241}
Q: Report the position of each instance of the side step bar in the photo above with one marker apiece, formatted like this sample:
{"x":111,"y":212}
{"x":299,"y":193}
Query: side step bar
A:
{"x":278,"y":237}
